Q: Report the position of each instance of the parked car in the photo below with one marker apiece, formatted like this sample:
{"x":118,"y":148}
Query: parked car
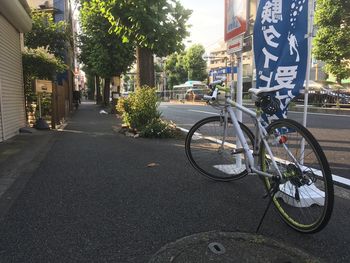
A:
{"x":196,"y":94}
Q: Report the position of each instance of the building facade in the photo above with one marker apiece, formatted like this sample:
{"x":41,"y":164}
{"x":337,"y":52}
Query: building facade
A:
{"x":220,"y":66}
{"x":14,"y":20}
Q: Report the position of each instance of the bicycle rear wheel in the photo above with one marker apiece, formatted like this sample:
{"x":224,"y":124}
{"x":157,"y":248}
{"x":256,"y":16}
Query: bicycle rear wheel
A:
{"x":215,"y":155}
{"x":305,"y":199}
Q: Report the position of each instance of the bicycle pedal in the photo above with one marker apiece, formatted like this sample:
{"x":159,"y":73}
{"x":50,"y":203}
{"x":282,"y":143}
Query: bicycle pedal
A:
{"x":237,"y":151}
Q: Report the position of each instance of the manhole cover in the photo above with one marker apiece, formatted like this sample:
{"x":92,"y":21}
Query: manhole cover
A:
{"x":229,"y":247}
{"x":217,"y":248}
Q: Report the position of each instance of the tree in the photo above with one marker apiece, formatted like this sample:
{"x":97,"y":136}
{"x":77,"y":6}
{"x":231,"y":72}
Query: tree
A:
{"x":154,"y":26}
{"x":46,"y":33}
{"x":180,"y":67}
{"x":175,"y":69}
{"x":195,"y":64}
{"x":333,"y":34}
{"x":103,"y":53}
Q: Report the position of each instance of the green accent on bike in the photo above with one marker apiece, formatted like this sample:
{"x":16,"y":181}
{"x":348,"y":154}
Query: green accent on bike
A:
{"x":226,"y":89}
{"x":263,"y":163}
{"x":289,"y":174}
{"x":277,"y":204}
{"x":285,"y":215}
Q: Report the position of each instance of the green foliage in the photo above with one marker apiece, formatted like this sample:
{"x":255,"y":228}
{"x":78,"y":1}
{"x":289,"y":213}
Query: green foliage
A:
{"x":39,"y":64}
{"x":43,"y":56}
{"x":187,"y":65}
{"x":152,"y":26}
{"x":158,"y":128}
{"x":102,"y":52}
{"x":46,"y":33}
{"x":46,"y":105}
{"x":159,"y":25}
{"x":140,"y":113}
{"x":129,"y":82}
{"x":333,"y":34}
{"x":195,"y":64}
{"x":140,"y":108}
{"x":175,"y":69}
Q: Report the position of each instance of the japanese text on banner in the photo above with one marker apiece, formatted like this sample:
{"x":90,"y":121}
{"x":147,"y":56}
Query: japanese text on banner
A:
{"x":280,"y":49}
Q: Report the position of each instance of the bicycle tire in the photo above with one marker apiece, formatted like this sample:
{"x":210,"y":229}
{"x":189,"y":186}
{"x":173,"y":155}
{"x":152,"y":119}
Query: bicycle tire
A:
{"x":212,"y":158}
{"x":305,"y":199}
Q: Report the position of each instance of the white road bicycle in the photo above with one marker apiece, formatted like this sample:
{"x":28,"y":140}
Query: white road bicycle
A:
{"x":285,"y":155}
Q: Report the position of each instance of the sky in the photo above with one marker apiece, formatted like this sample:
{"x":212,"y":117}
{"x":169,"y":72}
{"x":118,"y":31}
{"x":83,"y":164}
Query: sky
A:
{"x":207,"y":22}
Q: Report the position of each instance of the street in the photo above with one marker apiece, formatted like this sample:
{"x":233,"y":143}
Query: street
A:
{"x":91,"y":172}
{"x":93,"y":198}
{"x":332,"y":131}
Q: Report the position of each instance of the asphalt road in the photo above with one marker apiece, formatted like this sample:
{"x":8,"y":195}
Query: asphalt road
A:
{"x":188,"y":114}
{"x":332,"y":131}
{"x":93,"y":198}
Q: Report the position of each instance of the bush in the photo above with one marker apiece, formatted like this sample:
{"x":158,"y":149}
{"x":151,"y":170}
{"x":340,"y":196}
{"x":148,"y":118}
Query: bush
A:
{"x":140,"y":113}
{"x":140,"y":108}
{"x":158,"y":128}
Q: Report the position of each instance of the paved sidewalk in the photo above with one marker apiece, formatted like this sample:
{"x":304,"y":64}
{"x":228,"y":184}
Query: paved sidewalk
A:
{"x":19,"y":157}
{"x":90,"y":195}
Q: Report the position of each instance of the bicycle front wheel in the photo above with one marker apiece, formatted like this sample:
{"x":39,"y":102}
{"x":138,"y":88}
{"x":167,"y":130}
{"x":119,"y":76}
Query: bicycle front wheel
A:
{"x":305,"y":196}
{"x":213,"y":148}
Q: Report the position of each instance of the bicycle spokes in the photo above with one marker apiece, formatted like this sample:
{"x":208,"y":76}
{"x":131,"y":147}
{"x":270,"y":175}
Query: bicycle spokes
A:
{"x":305,"y":189}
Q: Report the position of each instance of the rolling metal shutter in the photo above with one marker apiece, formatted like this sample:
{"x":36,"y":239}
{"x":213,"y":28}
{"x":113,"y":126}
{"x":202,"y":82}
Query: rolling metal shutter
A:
{"x":1,"y":119}
{"x":11,"y":81}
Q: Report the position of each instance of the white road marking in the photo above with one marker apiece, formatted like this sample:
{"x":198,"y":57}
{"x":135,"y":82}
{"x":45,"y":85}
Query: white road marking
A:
{"x":206,"y":112}
{"x":321,"y":114}
{"x":309,"y":113}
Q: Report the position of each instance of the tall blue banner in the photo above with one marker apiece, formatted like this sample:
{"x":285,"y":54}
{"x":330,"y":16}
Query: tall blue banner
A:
{"x":281,"y":49}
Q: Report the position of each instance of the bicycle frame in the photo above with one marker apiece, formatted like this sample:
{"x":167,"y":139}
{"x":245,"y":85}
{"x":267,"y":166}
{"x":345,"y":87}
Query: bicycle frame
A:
{"x":260,"y":134}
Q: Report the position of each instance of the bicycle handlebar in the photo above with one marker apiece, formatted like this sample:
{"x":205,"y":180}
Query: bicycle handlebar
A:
{"x":215,"y":83}
{"x":211,"y":97}
{"x":215,"y":93}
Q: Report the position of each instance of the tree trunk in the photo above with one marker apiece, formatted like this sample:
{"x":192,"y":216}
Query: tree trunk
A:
{"x":91,"y":87}
{"x":106,"y":91}
{"x":98,"y":90}
{"x":145,"y":67}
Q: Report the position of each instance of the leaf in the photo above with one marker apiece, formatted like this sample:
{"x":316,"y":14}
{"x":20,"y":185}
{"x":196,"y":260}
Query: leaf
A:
{"x":125,"y":39}
{"x":150,"y":165}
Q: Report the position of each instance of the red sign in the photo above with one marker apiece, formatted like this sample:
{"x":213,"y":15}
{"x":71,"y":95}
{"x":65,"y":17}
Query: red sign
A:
{"x":235,"y":18}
